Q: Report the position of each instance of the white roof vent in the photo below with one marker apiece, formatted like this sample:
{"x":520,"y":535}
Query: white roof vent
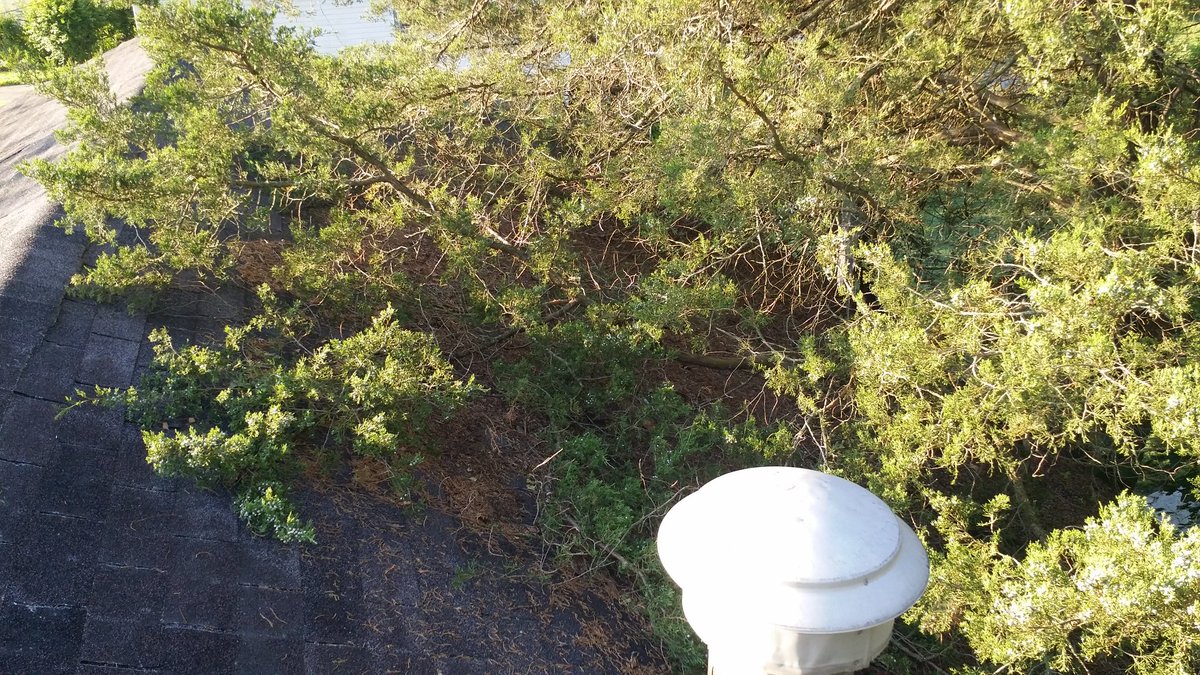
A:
{"x":791,"y":571}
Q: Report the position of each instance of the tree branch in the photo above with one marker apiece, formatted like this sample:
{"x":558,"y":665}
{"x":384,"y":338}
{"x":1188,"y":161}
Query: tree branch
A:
{"x":776,"y":139}
{"x":281,"y":184}
{"x":1025,"y":504}
{"x":730,"y":362}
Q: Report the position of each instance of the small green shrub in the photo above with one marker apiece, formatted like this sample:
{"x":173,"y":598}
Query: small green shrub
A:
{"x":253,"y":411}
{"x":12,"y":41}
{"x":70,"y":31}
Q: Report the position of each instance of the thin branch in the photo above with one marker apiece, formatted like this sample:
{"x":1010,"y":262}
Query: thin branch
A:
{"x":730,"y":362}
{"x":1025,"y":504}
{"x":552,"y":316}
{"x":283,"y":184}
{"x":776,"y":139}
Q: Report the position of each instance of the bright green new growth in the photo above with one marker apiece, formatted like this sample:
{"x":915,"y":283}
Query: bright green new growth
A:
{"x":960,"y":236}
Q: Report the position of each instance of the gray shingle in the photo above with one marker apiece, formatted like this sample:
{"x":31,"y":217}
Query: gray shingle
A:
{"x":108,"y":361}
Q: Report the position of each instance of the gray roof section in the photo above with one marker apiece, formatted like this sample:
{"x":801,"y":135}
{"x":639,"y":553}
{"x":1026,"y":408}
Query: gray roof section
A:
{"x":27,"y":124}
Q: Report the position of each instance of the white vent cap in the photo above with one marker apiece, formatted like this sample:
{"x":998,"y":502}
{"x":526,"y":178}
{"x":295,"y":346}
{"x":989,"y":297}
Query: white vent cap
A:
{"x":800,"y":549}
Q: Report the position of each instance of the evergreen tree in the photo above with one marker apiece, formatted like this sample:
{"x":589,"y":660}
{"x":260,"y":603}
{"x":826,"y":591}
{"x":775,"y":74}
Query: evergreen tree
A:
{"x":961,"y":235}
